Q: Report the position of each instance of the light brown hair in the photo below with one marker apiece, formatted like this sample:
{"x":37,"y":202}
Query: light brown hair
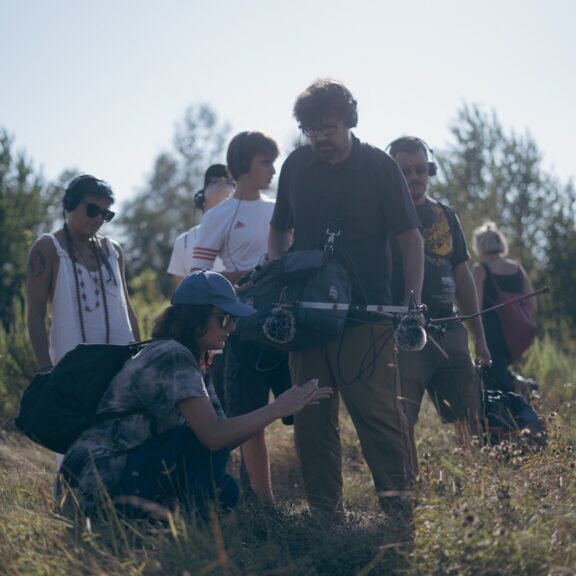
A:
{"x":489,"y":240}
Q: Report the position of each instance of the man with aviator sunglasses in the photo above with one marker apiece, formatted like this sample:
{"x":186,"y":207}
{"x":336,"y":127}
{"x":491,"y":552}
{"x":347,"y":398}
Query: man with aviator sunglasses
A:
{"x":447,"y":375}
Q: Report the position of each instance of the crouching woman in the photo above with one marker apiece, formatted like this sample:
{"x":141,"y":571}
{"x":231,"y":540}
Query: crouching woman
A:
{"x":159,"y":435}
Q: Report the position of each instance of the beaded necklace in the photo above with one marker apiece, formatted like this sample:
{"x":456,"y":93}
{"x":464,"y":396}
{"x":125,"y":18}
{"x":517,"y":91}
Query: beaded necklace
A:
{"x":99,"y":282}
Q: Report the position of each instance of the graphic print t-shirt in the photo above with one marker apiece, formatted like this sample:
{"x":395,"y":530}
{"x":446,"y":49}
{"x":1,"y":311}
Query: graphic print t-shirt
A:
{"x":444,"y":249}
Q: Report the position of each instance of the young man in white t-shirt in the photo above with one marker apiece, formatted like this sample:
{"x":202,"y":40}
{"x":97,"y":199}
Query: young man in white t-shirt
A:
{"x":218,"y":185}
{"x":237,"y":231}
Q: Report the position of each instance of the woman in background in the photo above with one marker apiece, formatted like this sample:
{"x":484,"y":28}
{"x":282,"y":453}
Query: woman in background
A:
{"x":496,"y":271}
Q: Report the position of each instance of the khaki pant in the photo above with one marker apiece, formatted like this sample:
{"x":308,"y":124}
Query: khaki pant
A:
{"x":361,"y":366}
{"x":452,"y":383}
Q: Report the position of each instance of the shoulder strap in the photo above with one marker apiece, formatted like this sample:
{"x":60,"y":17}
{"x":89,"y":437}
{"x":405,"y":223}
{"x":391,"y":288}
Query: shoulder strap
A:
{"x":334,"y":226}
{"x":140,"y":344}
{"x":136,"y":347}
{"x":105,"y":257}
{"x":108,"y":245}
{"x":492,"y":279}
{"x":57,"y":246}
{"x":335,"y":204}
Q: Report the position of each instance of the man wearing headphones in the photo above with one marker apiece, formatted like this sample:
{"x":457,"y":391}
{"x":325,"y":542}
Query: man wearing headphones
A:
{"x":218,"y":185}
{"x":355,"y":190}
{"x":444,"y":370}
{"x":236,"y":231}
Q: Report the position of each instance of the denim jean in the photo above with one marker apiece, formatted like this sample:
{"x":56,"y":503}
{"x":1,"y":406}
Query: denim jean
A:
{"x":175,"y":467}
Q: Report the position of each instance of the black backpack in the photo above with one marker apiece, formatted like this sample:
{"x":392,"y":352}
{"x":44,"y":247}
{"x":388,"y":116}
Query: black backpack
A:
{"x":57,"y":407}
{"x":508,"y":415}
{"x":301,"y":300}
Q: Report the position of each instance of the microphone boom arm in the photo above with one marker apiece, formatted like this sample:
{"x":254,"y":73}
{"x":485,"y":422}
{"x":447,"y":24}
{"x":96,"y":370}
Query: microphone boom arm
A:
{"x":459,"y":318}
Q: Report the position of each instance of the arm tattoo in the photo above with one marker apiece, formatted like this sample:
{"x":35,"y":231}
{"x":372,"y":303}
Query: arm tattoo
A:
{"x":36,"y":263}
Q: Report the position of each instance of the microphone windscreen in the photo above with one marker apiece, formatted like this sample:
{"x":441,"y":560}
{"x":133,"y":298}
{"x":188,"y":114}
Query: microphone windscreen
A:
{"x":410,"y":334}
{"x":280,"y":326}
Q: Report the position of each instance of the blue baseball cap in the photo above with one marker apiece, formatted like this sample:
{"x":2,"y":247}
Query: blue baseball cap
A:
{"x":207,"y":287}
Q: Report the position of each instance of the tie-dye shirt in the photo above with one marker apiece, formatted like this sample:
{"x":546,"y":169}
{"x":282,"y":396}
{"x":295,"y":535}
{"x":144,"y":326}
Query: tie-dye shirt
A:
{"x":150,"y":384}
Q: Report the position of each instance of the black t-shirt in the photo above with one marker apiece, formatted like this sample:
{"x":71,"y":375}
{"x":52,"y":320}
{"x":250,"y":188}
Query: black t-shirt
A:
{"x":444,"y":249}
{"x":369,"y":193}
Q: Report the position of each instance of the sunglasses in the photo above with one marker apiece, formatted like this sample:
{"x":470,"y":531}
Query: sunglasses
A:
{"x":225,"y":319}
{"x":418,"y":168}
{"x":93,"y":211}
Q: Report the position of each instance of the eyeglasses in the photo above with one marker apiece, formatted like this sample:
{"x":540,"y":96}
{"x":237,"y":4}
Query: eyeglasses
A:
{"x":93,"y":210}
{"x":225,"y":319}
{"x":418,"y":168}
{"x":325,"y":129}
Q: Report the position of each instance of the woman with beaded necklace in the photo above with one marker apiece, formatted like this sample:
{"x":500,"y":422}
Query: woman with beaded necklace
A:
{"x":81,"y":276}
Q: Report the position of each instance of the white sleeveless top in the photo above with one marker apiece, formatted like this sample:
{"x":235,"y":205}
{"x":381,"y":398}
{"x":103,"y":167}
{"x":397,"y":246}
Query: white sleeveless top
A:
{"x":65,"y":331}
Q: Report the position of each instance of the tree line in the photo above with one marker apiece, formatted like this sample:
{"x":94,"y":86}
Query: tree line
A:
{"x":486,"y":173}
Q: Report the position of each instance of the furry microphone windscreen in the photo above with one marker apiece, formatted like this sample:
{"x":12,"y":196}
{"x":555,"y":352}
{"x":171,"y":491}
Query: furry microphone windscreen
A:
{"x":410,"y":334}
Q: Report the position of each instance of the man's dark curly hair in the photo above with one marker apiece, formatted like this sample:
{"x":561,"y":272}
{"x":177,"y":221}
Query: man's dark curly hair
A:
{"x":326,"y":97}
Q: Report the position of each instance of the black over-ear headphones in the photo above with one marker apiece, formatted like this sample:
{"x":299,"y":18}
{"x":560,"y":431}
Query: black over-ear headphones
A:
{"x":237,"y":159}
{"x":352,"y":120}
{"x":340,"y":93}
{"x":199,"y":199}
{"x":410,"y":144}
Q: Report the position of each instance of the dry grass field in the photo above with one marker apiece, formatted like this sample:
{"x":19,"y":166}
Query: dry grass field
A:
{"x":507,"y":509}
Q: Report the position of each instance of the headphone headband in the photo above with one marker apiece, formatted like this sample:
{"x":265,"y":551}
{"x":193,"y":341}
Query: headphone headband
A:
{"x":237,"y":157}
{"x":432,"y":166}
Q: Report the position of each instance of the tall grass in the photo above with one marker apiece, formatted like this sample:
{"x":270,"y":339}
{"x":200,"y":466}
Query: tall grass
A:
{"x":507,"y":509}
{"x":16,"y":365}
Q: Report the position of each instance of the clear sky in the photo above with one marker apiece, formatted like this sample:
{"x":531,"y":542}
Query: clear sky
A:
{"x":99,"y":85}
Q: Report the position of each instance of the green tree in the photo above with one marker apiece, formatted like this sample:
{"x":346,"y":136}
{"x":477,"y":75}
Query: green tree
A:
{"x":23,"y":215}
{"x":559,"y":271}
{"x":152,"y":220}
{"x":488,"y":173}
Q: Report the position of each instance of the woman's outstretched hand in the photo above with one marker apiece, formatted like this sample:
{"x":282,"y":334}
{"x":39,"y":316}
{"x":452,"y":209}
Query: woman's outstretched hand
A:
{"x":297,"y":397}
